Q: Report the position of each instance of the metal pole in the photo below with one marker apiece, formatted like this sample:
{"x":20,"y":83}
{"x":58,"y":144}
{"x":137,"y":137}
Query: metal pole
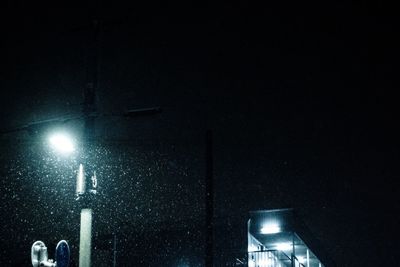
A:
{"x":85,"y":242}
{"x":89,"y":93}
{"x":88,"y":109}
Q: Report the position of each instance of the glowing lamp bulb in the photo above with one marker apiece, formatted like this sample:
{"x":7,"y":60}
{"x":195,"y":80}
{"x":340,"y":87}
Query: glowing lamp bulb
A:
{"x":62,"y":143}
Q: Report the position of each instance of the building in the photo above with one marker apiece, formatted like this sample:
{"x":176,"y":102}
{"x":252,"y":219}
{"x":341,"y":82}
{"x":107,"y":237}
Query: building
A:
{"x":277,"y":238}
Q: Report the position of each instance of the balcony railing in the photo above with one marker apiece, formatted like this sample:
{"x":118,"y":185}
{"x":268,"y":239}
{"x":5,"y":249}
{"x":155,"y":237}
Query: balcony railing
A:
{"x":271,"y":258}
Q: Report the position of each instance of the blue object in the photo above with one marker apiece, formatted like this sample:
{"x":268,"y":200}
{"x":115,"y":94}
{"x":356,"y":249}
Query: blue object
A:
{"x":62,"y":254}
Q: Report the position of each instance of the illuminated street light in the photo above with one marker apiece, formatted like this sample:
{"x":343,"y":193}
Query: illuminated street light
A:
{"x":86,"y":184}
{"x":62,"y":143}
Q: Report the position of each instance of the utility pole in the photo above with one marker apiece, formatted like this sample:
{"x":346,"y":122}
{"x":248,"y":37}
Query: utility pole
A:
{"x":86,"y":186}
{"x":89,"y":110}
{"x":90,"y":113}
{"x":89,"y":107}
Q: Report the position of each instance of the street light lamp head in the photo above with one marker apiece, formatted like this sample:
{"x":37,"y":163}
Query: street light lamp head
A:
{"x":62,"y":143}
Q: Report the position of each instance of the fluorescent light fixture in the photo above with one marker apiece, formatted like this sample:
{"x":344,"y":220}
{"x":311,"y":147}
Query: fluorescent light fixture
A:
{"x":62,"y":142}
{"x":284,"y":246}
{"x":270,"y":228}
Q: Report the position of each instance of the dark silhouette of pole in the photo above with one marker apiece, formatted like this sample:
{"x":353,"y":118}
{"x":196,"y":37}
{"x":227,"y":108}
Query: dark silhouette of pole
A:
{"x":89,"y":113}
{"x":209,"y":197}
{"x":89,"y":94}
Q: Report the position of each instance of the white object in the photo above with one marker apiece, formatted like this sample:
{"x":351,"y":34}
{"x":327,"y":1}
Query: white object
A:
{"x":39,"y":255}
{"x":268,"y":229}
{"x":62,"y":143}
{"x":85,"y":242}
{"x":80,"y":181}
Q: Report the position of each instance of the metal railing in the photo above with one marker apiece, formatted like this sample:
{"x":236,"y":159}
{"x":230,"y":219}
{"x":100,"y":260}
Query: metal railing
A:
{"x":268,"y":258}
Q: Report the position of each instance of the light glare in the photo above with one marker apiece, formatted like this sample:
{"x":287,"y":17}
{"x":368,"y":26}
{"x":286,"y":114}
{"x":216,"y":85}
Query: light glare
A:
{"x":270,"y":229}
{"x":62,"y":143}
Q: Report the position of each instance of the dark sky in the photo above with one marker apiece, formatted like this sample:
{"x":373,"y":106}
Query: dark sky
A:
{"x":300,"y":98}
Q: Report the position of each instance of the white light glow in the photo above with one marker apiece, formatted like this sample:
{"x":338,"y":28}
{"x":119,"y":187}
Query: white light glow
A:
{"x":270,"y":229}
{"x":284,"y":246}
{"x":62,"y":143}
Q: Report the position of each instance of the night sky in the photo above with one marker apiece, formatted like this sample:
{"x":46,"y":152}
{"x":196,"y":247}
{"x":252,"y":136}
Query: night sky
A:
{"x":299,"y":97}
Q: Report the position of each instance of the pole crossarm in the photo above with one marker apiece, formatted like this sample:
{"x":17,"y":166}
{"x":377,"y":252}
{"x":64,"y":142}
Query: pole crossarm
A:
{"x":36,"y":126}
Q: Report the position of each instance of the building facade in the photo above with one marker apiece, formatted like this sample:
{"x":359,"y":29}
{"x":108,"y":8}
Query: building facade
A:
{"x":276,"y":238}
